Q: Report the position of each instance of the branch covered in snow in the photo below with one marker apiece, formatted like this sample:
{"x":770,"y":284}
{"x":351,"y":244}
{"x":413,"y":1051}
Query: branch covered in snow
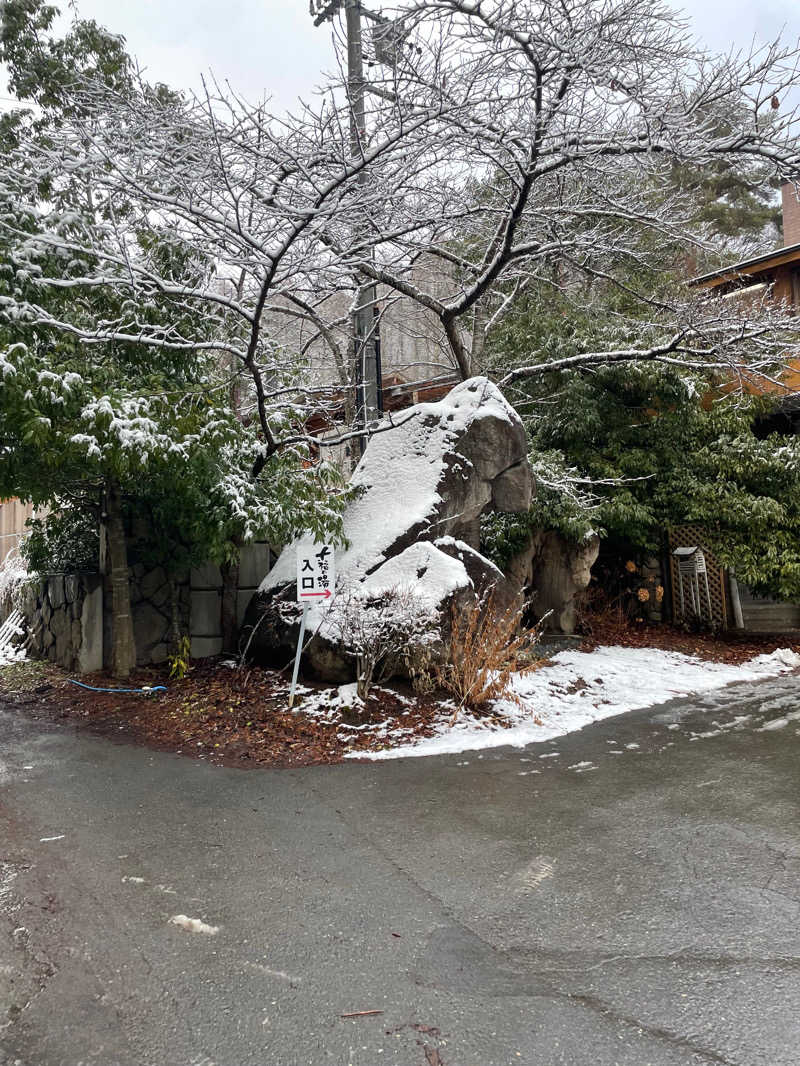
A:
{"x":566,"y":124}
{"x":380,"y":631}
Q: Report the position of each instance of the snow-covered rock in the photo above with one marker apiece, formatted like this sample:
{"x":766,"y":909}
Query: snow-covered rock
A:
{"x":425,"y":479}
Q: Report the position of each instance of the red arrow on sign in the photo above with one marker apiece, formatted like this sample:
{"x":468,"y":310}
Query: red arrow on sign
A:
{"x":326,"y":594}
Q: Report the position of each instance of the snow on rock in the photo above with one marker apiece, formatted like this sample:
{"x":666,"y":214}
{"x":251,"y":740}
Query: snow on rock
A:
{"x":583,"y":687}
{"x":424,"y":480}
{"x":425,"y":563}
{"x":417,"y":476}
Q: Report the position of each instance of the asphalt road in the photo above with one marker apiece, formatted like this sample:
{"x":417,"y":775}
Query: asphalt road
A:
{"x":512,"y":908}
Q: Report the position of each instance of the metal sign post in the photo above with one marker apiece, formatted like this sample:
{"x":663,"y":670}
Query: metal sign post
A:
{"x":298,"y":654}
{"x":316,"y":580}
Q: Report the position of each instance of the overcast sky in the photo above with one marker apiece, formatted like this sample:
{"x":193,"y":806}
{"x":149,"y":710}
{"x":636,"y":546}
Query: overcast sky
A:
{"x":272,"y":47}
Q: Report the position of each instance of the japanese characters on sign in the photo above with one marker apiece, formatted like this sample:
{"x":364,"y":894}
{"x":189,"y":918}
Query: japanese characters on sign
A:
{"x":316,"y":572}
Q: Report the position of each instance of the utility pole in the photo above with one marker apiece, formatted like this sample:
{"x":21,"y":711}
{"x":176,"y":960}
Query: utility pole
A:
{"x":365,"y":344}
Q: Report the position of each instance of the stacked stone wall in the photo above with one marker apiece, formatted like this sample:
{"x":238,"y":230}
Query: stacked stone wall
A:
{"x":151,"y":611}
{"x":63,"y":614}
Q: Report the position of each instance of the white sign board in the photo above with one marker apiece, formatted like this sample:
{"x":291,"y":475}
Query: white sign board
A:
{"x":316,"y":572}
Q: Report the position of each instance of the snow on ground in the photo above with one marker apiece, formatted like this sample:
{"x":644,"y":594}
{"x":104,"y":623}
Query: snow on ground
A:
{"x":194,"y":925}
{"x":10,"y":654}
{"x":580,"y":688}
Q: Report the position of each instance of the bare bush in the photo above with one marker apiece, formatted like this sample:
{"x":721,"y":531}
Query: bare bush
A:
{"x":379,"y":632}
{"x":487,"y":647}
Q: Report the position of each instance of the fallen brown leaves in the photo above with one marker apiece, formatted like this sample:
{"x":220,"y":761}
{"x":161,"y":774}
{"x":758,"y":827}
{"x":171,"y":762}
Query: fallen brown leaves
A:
{"x":231,"y":716}
{"x":729,"y":647}
{"x":241,"y":717}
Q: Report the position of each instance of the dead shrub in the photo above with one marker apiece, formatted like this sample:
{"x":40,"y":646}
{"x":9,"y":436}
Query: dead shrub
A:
{"x":601,"y":615}
{"x":487,"y":647}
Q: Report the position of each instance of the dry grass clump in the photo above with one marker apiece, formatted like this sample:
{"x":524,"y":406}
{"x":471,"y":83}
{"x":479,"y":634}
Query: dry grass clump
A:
{"x":487,"y":647}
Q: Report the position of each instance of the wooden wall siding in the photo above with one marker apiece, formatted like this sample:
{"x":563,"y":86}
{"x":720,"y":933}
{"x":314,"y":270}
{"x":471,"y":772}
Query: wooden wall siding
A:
{"x":685,"y":537}
{"x":13,"y":516}
{"x":768,"y":616}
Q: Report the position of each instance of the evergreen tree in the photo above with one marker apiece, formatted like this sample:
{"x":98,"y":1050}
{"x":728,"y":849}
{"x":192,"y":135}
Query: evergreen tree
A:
{"x":105,"y":432}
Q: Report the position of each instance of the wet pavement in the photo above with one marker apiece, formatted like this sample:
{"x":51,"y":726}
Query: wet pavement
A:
{"x":628,"y":895}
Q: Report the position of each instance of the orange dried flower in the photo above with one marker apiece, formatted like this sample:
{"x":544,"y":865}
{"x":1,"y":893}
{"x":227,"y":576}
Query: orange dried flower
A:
{"x":643,"y":595}
{"x":630,"y":566}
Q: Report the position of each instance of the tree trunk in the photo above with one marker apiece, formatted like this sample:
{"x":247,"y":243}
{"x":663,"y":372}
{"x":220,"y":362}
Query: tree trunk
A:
{"x":229,"y":614}
{"x":479,"y":321}
{"x":123,"y":646}
{"x":174,"y":616}
{"x":459,"y":352}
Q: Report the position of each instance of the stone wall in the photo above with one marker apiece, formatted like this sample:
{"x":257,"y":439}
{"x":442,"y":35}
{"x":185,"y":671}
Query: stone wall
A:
{"x":68,"y":616}
{"x":206,"y":595}
{"x":64,"y":617}
{"x":151,"y":611}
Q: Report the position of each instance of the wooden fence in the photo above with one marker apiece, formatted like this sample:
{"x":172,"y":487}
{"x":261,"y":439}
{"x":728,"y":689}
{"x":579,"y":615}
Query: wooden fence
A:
{"x":13,"y":516}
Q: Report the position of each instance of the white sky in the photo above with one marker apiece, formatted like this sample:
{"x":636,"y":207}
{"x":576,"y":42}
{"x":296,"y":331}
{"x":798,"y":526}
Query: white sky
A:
{"x":272,"y":47}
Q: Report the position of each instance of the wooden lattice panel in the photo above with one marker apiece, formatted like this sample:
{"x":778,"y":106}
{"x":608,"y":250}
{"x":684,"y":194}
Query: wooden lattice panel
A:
{"x":685,"y":537}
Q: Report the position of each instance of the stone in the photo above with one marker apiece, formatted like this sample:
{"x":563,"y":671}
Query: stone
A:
{"x":207,"y":576}
{"x":206,"y":617}
{"x":150,"y":627}
{"x":423,"y":484}
{"x":511,"y":491}
{"x":64,"y":650}
{"x":55,"y":590}
{"x":203,"y":647}
{"x":59,"y":621}
{"x":554,"y":571}
{"x":72,"y":588}
{"x":90,"y":657}
{"x":161,"y":598}
{"x":35,"y":637}
{"x":243,"y":597}
{"x":253,"y":564}
{"x":152,"y":583}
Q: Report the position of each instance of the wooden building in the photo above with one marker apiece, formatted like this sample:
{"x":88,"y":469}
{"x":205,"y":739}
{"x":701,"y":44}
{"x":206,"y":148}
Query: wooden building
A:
{"x":771,"y":276}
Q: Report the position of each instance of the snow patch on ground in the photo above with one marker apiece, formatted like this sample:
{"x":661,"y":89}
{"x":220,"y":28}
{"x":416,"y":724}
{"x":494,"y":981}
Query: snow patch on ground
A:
{"x":9,"y":654}
{"x":194,"y":925}
{"x":579,"y":688}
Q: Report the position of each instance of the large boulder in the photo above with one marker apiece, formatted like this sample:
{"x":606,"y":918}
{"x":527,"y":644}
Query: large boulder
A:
{"x":425,"y":479}
{"x":553,"y":572}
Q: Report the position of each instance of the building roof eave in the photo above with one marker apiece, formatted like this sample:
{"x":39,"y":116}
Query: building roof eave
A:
{"x":777,"y":257}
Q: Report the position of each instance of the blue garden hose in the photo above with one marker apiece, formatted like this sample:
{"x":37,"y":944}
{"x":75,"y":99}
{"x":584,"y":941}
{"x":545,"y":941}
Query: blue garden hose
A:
{"x":91,"y":688}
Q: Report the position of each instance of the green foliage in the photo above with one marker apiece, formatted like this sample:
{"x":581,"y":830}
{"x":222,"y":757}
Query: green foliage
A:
{"x":633,"y":448}
{"x":662,"y":449}
{"x":559,"y":503}
{"x":64,"y":541}
{"x":155,"y":421}
{"x":41,"y":66}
